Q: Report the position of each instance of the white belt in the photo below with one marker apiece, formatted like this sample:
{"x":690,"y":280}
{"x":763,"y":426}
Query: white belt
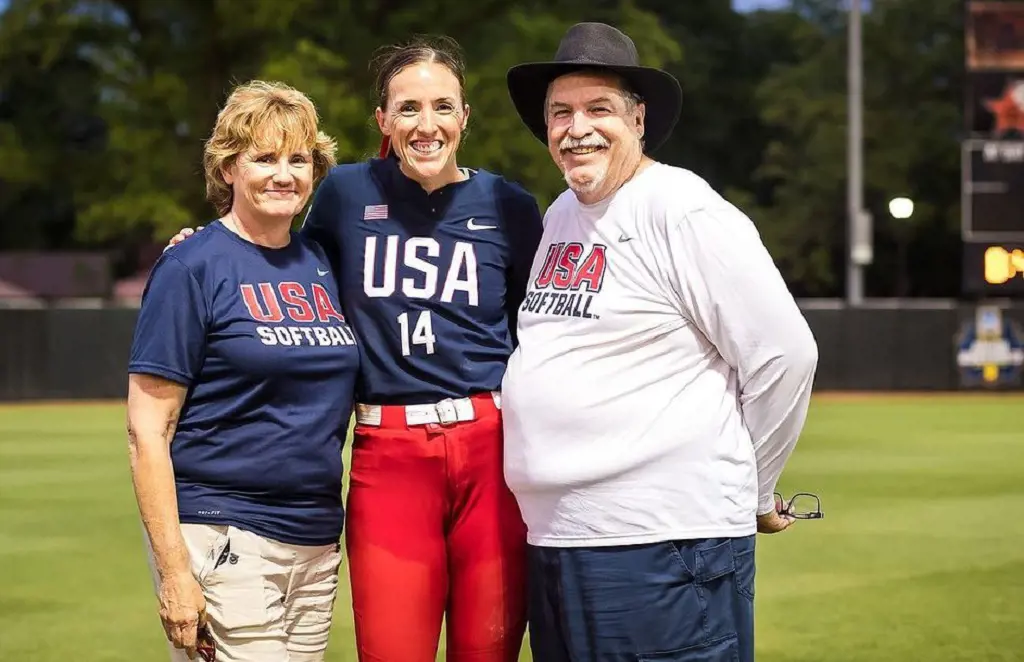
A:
{"x":449,"y":410}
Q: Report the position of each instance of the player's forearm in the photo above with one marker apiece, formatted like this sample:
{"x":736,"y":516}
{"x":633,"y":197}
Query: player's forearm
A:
{"x":153,"y":408}
{"x":775,"y":403}
{"x":153,"y":480}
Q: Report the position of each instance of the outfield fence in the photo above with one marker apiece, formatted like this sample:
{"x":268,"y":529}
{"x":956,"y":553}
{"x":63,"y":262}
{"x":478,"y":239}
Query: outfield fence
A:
{"x":886,"y":345}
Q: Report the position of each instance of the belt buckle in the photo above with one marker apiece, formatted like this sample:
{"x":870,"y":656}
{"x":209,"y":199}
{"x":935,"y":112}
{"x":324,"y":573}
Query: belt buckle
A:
{"x":446,"y":412}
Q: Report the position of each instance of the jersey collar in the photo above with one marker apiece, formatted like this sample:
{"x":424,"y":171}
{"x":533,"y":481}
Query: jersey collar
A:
{"x":388,"y":173}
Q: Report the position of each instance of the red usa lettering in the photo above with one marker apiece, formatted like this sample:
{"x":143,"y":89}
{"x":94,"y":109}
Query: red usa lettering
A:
{"x":566,"y":268}
{"x":419,"y":254}
{"x":264,"y":302}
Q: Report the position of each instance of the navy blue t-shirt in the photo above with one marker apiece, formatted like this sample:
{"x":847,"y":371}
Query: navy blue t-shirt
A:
{"x":270,"y":363}
{"x":431,"y":283}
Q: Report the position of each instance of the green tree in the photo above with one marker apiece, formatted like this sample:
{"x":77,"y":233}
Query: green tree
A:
{"x":160,"y":69}
{"x":914,"y":91}
{"x":50,"y":128}
{"x":912,"y":97}
{"x":105,"y":105}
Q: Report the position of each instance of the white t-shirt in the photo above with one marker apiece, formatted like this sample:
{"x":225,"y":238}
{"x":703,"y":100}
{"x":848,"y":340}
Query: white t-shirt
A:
{"x":663,"y":372}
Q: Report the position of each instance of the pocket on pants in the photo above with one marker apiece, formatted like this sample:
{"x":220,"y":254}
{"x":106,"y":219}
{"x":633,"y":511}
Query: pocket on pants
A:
{"x":705,"y":561}
{"x":723,"y":650}
{"x":235,"y":585}
{"x":322,"y":585}
{"x":746,"y":566}
{"x":712,"y":568}
{"x":204,"y":543}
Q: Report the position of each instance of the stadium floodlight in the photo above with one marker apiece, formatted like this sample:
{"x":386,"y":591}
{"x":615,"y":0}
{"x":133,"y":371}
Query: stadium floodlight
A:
{"x":901,"y":208}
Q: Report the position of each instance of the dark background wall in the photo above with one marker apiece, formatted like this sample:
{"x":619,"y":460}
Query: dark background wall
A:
{"x":892,"y":347}
{"x":82,"y":353}
{"x":64,"y":353}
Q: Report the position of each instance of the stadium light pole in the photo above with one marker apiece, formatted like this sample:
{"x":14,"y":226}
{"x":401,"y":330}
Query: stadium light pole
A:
{"x":901,"y":209}
{"x":858,"y":250}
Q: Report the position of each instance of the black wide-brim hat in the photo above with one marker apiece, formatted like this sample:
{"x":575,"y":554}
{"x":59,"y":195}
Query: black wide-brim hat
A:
{"x":587,"y":45}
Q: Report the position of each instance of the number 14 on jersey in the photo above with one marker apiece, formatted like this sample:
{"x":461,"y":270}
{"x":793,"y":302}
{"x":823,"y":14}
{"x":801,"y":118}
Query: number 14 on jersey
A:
{"x":422,"y":332}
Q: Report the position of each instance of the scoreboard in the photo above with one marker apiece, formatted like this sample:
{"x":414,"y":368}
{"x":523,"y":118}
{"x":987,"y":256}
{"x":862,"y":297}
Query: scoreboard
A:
{"x":993,"y":189}
{"x":992,"y":154}
{"x":994,"y":268}
{"x":993,"y":218}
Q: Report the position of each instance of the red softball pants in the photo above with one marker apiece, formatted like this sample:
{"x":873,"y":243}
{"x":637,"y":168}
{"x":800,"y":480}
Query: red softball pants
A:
{"x":433,"y":532}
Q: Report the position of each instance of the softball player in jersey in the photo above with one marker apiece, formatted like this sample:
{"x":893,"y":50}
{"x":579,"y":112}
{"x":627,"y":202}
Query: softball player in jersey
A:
{"x":431,"y":261}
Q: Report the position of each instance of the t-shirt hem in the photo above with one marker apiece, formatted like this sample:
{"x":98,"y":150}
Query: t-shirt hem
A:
{"x":262,"y":531}
{"x":641,"y":538}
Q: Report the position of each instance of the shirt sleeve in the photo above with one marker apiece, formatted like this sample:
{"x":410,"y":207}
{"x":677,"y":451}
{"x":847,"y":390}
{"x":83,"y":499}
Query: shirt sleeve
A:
{"x":731,"y":289}
{"x":321,"y":222}
{"x":170,"y":331}
{"x":524,"y":227}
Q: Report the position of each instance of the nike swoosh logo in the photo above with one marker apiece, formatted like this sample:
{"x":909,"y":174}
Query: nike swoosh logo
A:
{"x":623,"y":238}
{"x":322,"y":272}
{"x":471,"y":224}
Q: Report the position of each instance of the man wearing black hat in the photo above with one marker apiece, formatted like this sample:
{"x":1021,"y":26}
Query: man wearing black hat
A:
{"x":662,"y":378}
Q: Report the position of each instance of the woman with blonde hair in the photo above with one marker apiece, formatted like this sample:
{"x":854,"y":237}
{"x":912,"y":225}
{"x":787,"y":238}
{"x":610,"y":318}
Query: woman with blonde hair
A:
{"x":433,"y":261}
{"x":242,"y":375}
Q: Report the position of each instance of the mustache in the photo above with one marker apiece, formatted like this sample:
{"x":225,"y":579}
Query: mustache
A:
{"x":592,"y":140}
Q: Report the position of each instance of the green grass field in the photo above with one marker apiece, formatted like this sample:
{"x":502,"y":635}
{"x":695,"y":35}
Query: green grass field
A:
{"x":920,"y":555}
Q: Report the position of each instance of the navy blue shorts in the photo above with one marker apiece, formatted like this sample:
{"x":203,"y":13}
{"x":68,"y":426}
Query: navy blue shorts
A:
{"x":684,"y":601}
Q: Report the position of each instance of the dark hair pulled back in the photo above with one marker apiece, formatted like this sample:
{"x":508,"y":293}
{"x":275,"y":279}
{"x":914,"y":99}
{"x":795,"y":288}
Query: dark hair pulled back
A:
{"x":388,"y":61}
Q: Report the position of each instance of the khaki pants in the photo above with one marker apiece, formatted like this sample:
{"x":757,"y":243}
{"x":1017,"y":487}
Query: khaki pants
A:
{"x":266,"y":601}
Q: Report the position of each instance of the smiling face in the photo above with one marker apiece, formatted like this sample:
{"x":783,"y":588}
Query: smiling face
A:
{"x":424,"y":116}
{"x":265,"y":153}
{"x":595,"y":128}
{"x":270,"y":183}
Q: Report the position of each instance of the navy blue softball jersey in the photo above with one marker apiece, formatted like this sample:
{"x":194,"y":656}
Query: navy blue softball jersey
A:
{"x":271,"y":365}
{"x":430,"y":282}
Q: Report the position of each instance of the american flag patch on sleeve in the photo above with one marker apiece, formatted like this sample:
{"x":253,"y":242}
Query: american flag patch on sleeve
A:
{"x":375,"y":212}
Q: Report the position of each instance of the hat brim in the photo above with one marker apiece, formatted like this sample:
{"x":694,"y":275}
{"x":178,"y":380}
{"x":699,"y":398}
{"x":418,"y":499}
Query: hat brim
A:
{"x":660,"y":91}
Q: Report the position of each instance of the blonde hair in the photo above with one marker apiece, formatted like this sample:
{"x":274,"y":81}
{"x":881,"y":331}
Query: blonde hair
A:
{"x":263,"y":115}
